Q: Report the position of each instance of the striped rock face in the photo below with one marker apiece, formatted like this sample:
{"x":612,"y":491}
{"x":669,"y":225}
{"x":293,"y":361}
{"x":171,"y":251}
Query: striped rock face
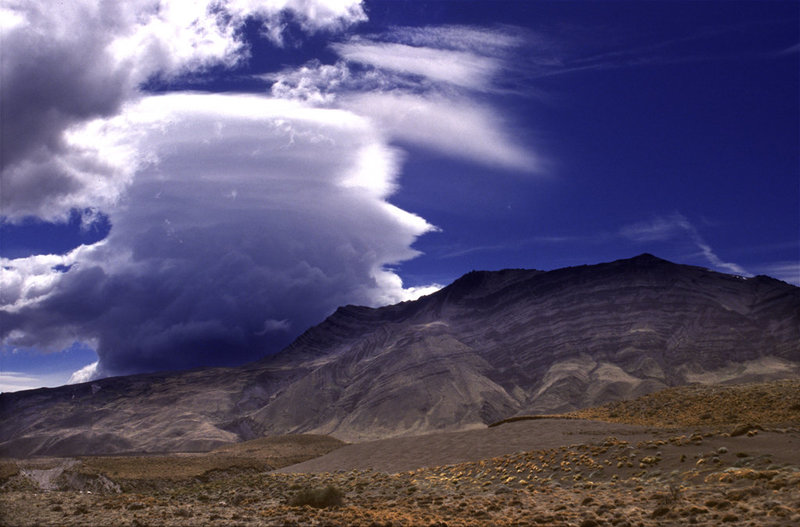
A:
{"x":489,"y":346}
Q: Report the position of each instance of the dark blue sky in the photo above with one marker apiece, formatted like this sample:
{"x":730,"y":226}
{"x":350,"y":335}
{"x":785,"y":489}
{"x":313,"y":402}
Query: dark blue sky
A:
{"x":209,"y":229}
{"x":689,"y":109}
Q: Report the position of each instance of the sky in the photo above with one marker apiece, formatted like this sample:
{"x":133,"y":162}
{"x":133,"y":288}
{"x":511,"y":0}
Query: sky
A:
{"x":191,"y":184}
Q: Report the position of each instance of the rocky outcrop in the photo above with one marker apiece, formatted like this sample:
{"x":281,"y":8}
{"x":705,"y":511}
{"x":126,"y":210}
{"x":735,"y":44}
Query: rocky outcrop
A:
{"x":489,"y":346}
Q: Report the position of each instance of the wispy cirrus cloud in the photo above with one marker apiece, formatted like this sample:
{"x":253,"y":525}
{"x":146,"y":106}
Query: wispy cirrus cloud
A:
{"x":460,"y":68}
{"x":455,"y":252}
{"x":491,"y":41}
{"x":604,"y":52}
{"x":422,"y":88}
{"x":788,"y":271}
{"x":455,"y":56}
{"x":12,"y":381}
{"x":456,"y":126}
{"x":791,"y":50}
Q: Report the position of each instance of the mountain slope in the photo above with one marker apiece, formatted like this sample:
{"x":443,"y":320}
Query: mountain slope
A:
{"x":489,"y":346}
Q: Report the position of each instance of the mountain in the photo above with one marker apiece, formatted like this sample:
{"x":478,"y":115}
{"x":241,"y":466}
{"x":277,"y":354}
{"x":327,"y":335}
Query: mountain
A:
{"x":489,"y":346}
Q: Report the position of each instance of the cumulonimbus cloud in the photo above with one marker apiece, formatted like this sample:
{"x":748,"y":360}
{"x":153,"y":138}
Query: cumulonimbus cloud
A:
{"x":244,"y":211}
{"x":237,"y":220}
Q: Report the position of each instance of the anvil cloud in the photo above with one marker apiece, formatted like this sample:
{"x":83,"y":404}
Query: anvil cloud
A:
{"x":238,"y":220}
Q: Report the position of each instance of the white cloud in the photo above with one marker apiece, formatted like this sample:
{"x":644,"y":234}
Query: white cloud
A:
{"x":314,"y":83}
{"x":392,"y":282}
{"x":88,"y":373}
{"x":312,"y":15}
{"x":413,"y":293}
{"x":27,"y":281}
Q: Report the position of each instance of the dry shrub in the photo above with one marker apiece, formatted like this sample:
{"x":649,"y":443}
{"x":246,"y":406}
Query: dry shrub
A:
{"x":319,"y":498}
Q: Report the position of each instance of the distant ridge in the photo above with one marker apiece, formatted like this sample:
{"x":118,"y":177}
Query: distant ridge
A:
{"x":491,"y":345}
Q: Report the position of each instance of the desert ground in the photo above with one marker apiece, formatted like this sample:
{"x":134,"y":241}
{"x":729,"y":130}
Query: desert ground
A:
{"x":719,"y":455}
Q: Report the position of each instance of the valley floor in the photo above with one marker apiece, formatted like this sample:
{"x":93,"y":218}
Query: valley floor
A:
{"x":641,"y":477}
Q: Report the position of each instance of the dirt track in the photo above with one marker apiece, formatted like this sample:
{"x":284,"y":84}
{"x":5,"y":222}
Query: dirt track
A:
{"x":409,"y":453}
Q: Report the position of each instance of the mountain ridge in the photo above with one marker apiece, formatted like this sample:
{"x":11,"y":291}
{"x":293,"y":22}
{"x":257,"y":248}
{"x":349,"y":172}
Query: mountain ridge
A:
{"x":491,"y":345}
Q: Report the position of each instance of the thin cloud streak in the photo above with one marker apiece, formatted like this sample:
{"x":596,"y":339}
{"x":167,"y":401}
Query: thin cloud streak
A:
{"x":496,"y":41}
{"x":11,"y":381}
{"x":455,"y":126}
{"x":787,"y":271}
{"x":676,"y":226}
{"x":453,"y":67}
{"x":516,"y":244}
{"x":791,"y":50}
{"x":663,"y":52}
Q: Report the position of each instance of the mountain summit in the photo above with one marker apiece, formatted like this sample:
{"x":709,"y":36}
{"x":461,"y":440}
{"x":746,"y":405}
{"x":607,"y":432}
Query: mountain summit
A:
{"x":491,"y":345}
